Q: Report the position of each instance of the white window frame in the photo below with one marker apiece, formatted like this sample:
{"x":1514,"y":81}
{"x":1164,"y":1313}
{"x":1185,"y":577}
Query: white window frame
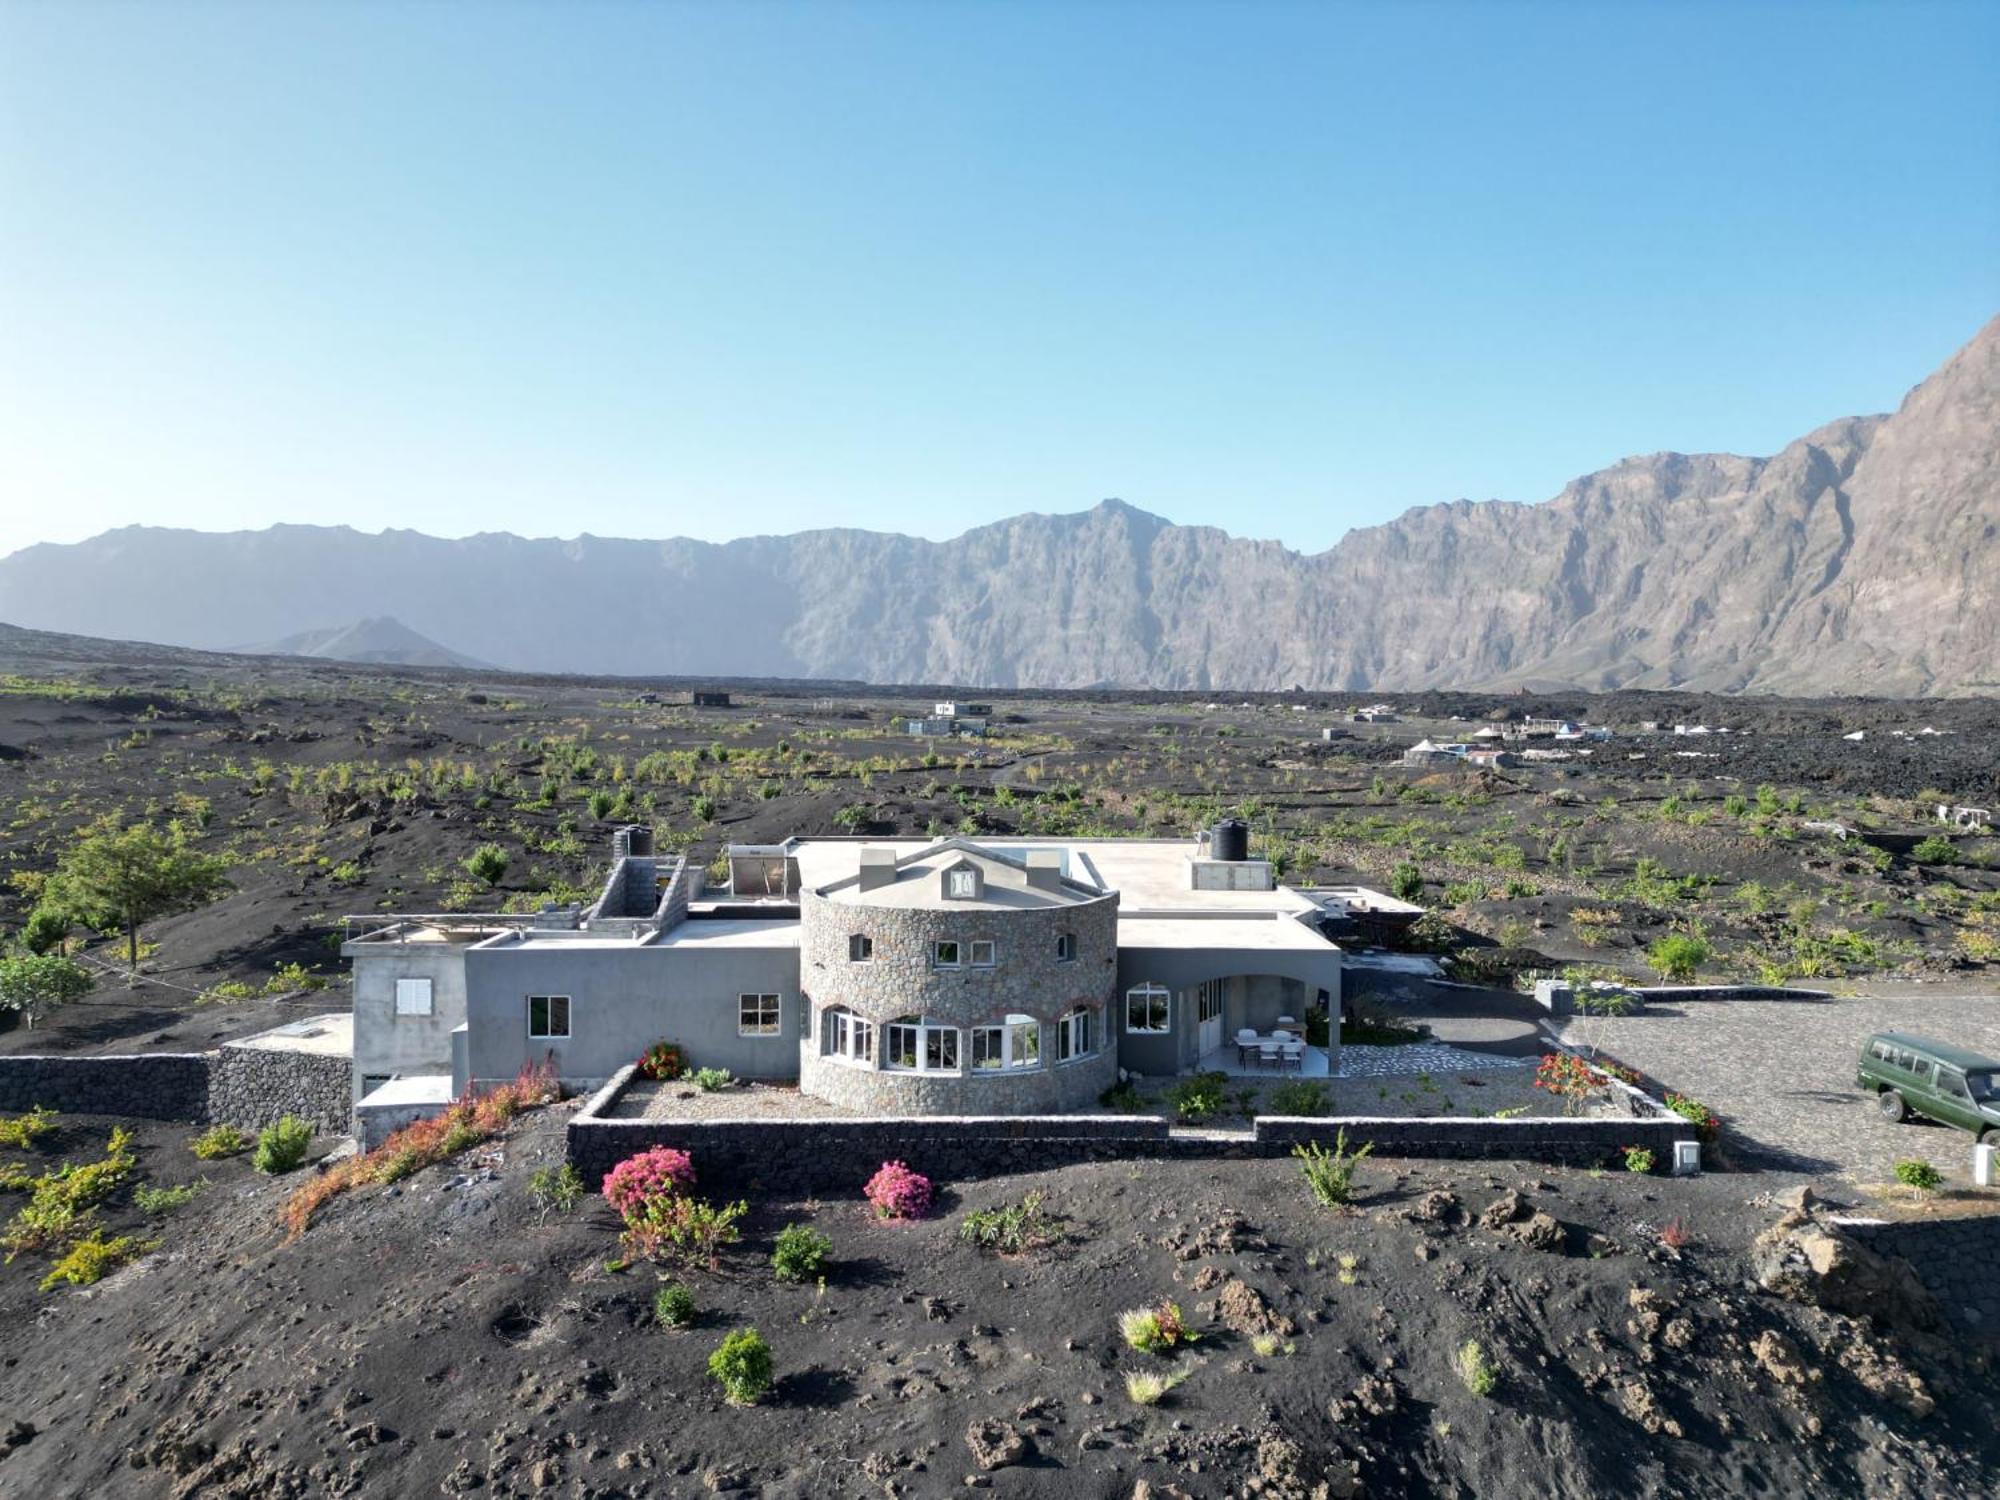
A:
{"x":1147,"y":993}
{"x":936,"y":1048}
{"x":1211,"y":998}
{"x":939,"y":961}
{"x":1065,"y":947}
{"x":758,"y":1026}
{"x":860,"y":948}
{"x":414,"y":997}
{"x":1014,"y":1045}
{"x":847,"y":1038}
{"x":992,"y":953}
{"x":961,"y":883}
{"x":548,"y":1033}
{"x":1076,"y":1034}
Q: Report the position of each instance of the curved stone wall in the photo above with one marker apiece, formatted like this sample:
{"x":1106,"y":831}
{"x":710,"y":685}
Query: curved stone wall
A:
{"x":1027,"y":978}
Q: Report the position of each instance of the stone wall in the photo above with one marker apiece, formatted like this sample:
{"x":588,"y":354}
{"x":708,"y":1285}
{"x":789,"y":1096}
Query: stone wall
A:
{"x":805,"y":1156}
{"x":245,"y":1086}
{"x":1953,"y":1257}
{"x":253,"y":1086}
{"x":1026,"y":978}
{"x":148,"y":1086}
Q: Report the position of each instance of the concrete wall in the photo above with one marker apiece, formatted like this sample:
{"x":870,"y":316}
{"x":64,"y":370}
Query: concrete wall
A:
{"x":387,"y":1045}
{"x":244,"y":1086}
{"x":1026,"y":978}
{"x":624,"y":999}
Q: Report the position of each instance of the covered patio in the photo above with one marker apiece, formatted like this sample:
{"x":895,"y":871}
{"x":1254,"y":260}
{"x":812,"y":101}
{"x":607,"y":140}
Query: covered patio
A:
{"x":1254,"y":1060}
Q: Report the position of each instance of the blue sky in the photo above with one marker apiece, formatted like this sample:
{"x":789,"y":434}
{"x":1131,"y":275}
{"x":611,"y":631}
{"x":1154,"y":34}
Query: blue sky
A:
{"x":713,"y":270}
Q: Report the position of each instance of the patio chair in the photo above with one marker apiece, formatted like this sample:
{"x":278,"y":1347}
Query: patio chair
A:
{"x":1293,"y":1055}
{"x":1270,"y":1052}
{"x":1246,"y":1042}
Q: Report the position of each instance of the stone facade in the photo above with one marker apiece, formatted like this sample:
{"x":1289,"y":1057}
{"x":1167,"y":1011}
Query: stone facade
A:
{"x":1954,"y":1258}
{"x":899,"y":980}
{"x":251,"y":1087}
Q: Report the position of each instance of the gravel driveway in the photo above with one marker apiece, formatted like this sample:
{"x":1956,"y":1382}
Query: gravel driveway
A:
{"x":1781,"y":1072}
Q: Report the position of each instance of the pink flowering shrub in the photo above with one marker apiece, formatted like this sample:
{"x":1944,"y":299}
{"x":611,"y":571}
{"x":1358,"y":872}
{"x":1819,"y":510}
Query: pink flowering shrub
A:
{"x":899,"y":1193}
{"x":658,"y":1173}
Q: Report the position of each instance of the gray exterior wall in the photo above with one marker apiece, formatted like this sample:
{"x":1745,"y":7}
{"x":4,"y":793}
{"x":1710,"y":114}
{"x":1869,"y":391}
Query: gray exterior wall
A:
{"x":387,"y":1045}
{"x":1254,"y":1003}
{"x":1026,"y":979}
{"x":622,"y":1000}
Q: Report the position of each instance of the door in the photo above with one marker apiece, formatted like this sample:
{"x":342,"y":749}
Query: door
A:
{"x":1954,"y":1101}
{"x":1209,"y":1007}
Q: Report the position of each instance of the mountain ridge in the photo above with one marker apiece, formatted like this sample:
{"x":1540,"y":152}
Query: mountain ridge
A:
{"x":1859,"y":557}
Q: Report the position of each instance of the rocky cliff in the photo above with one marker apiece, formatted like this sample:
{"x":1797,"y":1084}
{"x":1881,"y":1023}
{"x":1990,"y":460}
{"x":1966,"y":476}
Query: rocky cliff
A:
{"x":1861,"y":558}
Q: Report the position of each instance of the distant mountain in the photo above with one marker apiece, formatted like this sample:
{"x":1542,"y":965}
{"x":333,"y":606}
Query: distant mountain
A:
{"x":382,"y":640}
{"x":1862,"y":558}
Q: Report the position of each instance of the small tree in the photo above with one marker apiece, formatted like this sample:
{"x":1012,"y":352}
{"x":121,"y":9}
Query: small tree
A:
{"x":488,"y":863}
{"x":120,"y":877}
{"x":1677,"y":955}
{"x":36,"y":984}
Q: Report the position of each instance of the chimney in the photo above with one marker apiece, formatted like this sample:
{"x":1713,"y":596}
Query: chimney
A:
{"x":1045,"y":869}
{"x":878,"y":868}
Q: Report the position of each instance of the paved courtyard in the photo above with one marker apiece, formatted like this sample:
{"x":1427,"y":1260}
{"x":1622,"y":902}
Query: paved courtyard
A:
{"x":1781,"y":1073}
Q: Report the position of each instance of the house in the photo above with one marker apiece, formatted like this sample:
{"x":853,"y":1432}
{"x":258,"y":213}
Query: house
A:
{"x":948,"y":709}
{"x":1427,"y":752}
{"x":956,"y":976}
{"x":938,"y":728}
{"x":702,"y":699}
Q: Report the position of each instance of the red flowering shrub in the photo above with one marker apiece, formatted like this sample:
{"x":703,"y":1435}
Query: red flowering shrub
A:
{"x":899,"y":1193}
{"x":1569,"y":1078}
{"x":659,"y":1173}
{"x":663,"y":1060}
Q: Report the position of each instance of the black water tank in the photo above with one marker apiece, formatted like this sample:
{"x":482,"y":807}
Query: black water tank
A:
{"x":634,"y":839}
{"x":1229,"y":839}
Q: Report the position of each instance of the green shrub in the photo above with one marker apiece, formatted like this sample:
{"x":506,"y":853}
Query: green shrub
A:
{"x":24,"y":1130}
{"x":282,"y":1147}
{"x":164,"y":1200}
{"x":708,"y":1080}
{"x":1912,"y":1172}
{"x":1479,"y":1374}
{"x":1695,"y":1113}
{"x":1146,"y":1387}
{"x":742,"y":1363}
{"x":1200,"y":1097}
{"x":1935,"y":850}
{"x":1406,"y":882}
{"x":487,"y":863}
{"x":1638,"y":1159}
{"x":555,"y":1190}
{"x":1013,"y":1229}
{"x":1155,"y":1330}
{"x":94,"y":1257}
{"x":704,"y":808}
{"x":1297,"y":1096}
{"x":1677,"y":955}
{"x":800,"y":1254}
{"x":1329,"y":1175}
{"x":673,"y":1305}
{"x":219,"y":1141}
{"x":1123,"y":1098}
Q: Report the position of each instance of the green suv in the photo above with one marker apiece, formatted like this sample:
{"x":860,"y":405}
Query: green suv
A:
{"x":1910,"y":1075}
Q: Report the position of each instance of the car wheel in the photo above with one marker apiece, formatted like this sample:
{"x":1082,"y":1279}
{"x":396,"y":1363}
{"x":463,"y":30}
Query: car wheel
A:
{"x":1891,"y":1104}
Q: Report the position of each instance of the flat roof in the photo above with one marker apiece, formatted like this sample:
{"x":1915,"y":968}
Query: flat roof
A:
{"x":1274,"y":934}
{"x":696,"y":932}
{"x":1148,"y":874}
{"x":329,"y":1035}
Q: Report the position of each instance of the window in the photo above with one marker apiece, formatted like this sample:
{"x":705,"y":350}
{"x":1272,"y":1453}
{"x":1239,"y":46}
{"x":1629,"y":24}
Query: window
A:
{"x":1951,"y":1084}
{"x":860,"y":948}
{"x":757,"y":1015}
{"x":1148,"y":1008}
{"x":921,"y":1046}
{"x":962,"y":884}
{"x":945,"y":954}
{"x":982,"y":953}
{"x":548,"y":1016}
{"x":1016,"y":1043}
{"x":847,"y":1036}
{"x":1208,"y":998}
{"x":371,"y":1082}
{"x":413,"y":997}
{"x":1076,"y":1034}
{"x":1066,"y":948}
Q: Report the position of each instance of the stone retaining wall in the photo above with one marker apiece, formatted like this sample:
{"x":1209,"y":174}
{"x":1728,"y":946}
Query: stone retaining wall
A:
{"x":245,"y":1086}
{"x":1953,"y":1257}
{"x":803,"y":1156}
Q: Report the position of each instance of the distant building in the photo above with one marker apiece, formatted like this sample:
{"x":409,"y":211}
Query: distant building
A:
{"x":939,"y":727}
{"x":704,"y":699}
{"x":1430,"y":753}
{"x":948,"y":709}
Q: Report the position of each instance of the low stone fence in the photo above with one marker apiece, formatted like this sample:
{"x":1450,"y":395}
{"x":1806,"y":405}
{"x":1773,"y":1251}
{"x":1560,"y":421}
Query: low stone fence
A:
{"x":1954,"y":1258}
{"x":246,"y":1086}
{"x":820,"y":1155}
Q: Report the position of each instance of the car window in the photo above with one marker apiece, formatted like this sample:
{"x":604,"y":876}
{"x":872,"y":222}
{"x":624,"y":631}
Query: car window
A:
{"x":1952,"y":1083}
{"x":1983,"y":1086}
{"x":1922,"y":1068}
